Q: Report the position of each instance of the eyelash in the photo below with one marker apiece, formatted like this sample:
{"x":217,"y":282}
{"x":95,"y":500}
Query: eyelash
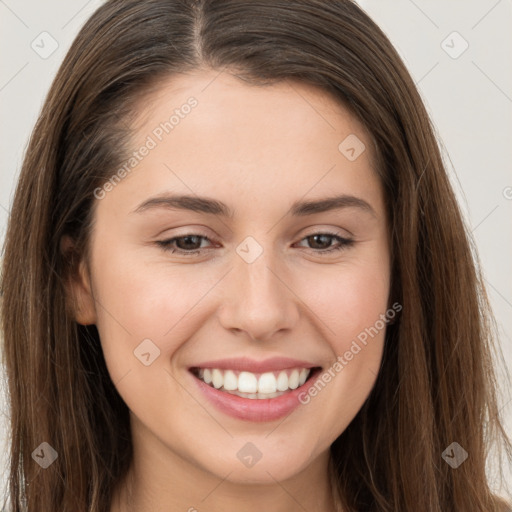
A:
{"x":344,"y":243}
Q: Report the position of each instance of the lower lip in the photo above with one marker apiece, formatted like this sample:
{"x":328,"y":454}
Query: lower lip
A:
{"x":256,"y":410}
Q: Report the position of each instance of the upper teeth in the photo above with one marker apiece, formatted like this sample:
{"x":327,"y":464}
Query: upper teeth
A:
{"x":248,"y":382}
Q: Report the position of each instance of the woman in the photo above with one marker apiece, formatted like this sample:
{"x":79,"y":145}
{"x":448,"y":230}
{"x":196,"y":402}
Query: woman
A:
{"x":236,"y":276}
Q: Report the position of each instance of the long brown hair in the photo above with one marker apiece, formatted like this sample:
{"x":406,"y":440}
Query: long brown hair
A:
{"x":436,"y":384}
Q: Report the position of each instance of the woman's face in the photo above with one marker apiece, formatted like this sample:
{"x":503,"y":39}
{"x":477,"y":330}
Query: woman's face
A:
{"x":260,"y":292}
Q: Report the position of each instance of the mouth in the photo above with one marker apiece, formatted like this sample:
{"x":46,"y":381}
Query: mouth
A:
{"x":255,"y":385}
{"x":252,"y":390}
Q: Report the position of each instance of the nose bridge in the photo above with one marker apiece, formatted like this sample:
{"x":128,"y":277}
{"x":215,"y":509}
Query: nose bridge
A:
{"x":260,"y":289}
{"x":260,"y":302}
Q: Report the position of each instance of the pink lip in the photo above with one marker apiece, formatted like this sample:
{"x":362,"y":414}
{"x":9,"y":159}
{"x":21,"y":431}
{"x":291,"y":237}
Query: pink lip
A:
{"x":267,"y":409}
{"x":251,"y":365}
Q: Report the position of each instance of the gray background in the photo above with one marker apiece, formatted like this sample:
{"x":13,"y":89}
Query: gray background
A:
{"x":469,"y":97}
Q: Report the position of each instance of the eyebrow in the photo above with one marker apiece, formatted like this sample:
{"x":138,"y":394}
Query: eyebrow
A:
{"x":214,"y":207}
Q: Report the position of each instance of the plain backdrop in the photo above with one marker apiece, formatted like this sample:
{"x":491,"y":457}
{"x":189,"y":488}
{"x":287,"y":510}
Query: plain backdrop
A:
{"x":459,"y":52}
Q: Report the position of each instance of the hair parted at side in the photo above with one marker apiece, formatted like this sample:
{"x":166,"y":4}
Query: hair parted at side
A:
{"x":436,"y":384}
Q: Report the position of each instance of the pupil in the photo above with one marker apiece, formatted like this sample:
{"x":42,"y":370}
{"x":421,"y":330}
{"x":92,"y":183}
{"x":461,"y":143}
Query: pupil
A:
{"x":316,"y":237}
{"x":186,"y":242}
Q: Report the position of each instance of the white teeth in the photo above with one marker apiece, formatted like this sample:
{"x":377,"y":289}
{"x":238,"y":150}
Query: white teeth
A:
{"x":247,"y":382}
{"x":251,"y":385}
{"x":293,"y":380}
{"x":230,"y":381}
{"x":217,"y":378}
{"x":267,"y":383}
{"x":282,"y":382}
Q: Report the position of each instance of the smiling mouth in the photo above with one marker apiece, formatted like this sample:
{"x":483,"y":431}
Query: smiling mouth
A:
{"x":254,"y":385}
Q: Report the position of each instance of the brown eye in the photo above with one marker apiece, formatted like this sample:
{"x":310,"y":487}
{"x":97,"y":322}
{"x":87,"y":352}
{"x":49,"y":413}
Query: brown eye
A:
{"x":322,"y":242}
{"x":187,"y":244}
{"x":190,"y":244}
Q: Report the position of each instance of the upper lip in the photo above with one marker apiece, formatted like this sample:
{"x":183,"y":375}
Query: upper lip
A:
{"x":251,"y":365}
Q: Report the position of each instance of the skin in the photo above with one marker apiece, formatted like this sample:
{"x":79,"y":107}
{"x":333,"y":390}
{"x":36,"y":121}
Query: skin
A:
{"x":257,"y":149}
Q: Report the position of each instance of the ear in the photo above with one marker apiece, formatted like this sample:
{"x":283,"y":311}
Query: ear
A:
{"x":78,"y":285}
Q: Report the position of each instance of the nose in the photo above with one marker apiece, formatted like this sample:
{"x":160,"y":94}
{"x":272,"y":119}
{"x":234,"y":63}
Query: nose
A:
{"x":258,"y":299}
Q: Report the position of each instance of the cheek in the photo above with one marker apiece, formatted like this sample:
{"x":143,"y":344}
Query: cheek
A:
{"x":147,"y":314}
{"x":136,"y":301}
{"x":348,"y":307}
{"x":347,"y":300}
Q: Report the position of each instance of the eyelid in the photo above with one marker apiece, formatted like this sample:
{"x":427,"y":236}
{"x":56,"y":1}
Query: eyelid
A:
{"x":201,"y":231}
{"x":343,"y":243}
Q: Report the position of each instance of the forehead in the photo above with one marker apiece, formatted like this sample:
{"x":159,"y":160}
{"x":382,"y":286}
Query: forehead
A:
{"x":292,"y":109}
{"x":249,"y":143}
